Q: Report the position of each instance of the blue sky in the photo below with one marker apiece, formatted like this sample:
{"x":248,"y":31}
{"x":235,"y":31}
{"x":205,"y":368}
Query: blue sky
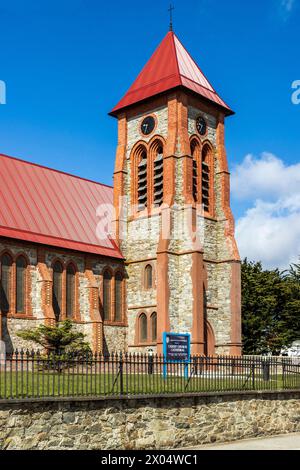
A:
{"x":66,"y":64}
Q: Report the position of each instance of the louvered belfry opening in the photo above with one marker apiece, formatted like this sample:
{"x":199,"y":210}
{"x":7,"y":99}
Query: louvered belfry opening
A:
{"x":206,"y":178}
{"x":158,"y":178}
{"x":142,"y":181}
{"x":195,"y":149}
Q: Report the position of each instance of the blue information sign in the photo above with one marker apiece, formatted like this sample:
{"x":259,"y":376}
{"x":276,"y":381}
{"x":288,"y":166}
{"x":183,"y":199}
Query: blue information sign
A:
{"x":177,"y":348}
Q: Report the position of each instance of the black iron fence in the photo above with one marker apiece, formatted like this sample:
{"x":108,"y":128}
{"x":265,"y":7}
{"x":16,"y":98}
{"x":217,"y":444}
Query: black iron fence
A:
{"x":29,"y":374}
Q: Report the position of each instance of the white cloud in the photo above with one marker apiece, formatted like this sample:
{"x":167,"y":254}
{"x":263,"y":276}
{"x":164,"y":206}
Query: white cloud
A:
{"x":269,"y":230}
{"x":285,"y":8}
{"x":266,"y":176}
{"x":287,"y":5}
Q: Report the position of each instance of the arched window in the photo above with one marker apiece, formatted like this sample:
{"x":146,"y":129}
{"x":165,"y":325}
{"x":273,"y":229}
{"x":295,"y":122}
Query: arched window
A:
{"x":153,"y":320}
{"x":206,"y":178}
{"x":70,"y":294}
{"x":148,"y":277}
{"x":21,"y":265}
{"x":118,"y":297}
{"x":195,"y":152}
{"x":5,"y":294}
{"x":142,"y":179}
{"x":57,"y":290}
{"x":143,"y":327}
{"x":158,"y":175}
{"x":107,"y":295}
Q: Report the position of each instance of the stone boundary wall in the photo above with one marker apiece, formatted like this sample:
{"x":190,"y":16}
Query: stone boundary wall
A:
{"x":146,"y":423}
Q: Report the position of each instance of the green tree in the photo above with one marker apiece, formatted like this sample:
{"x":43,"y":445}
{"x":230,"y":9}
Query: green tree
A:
{"x":270,"y":308}
{"x":59,"y":339}
{"x":293,"y":274}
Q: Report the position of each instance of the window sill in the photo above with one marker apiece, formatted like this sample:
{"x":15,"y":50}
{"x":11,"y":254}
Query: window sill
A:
{"x":20,"y":316}
{"x":112,"y":323}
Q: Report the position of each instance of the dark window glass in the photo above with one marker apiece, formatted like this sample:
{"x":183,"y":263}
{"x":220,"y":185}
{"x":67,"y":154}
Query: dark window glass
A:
{"x":148,"y":276}
{"x":119,"y":297}
{"x":6,"y":264}
{"x":107,"y":295}
{"x":20,"y":284}
{"x":154,"y":327}
{"x":70,"y":291}
{"x":57,"y":290}
{"x":143,"y":328}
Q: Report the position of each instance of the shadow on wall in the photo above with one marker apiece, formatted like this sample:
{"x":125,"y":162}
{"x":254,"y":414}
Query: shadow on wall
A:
{"x":209,"y":336}
{"x":6,"y":336}
{"x":105,"y":347}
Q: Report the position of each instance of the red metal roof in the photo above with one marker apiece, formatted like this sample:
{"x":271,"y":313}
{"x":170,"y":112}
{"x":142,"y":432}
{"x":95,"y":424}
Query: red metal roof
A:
{"x":170,"y":66}
{"x":47,"y":206}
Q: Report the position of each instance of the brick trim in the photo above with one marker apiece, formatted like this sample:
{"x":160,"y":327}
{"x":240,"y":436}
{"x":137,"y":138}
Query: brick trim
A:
{"x":94,"y":307}
{"x":137,"y":339}
{"x":46,"y":280}
{"x":13,"y":285}
{"x":150,"y":148}
{"x":111,"y":320}
{"x":143,"y":275}
{"x":76,"y":317}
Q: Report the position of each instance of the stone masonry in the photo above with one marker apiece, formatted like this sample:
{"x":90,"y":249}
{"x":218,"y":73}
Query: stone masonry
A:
{"x":152,"y":423}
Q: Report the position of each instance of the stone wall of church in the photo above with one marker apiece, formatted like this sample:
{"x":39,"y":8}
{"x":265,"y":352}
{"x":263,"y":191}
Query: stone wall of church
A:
{"x":181,"y":293}
{"x":193,"y":114}
{"x":10,"y":329}
{"x":115,"y":338}
{"x":142,"y":237}
{"x":218,"y":249}
{"x":133,"y":128}
{"x":13,"y":323}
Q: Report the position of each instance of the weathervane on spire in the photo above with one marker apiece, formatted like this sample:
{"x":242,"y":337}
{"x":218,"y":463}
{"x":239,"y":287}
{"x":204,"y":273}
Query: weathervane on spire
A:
{"x":171,"y":16}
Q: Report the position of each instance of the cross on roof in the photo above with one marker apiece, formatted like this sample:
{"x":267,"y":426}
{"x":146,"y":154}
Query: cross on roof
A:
{"x":171,"y":9}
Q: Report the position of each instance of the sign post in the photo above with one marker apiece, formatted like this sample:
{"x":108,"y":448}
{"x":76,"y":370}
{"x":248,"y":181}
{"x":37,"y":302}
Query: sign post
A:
{"x":176,"y":349}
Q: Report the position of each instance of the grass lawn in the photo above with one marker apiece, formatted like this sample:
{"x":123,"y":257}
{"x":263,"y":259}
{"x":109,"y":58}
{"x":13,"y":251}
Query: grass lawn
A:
{"x":71,"y":382}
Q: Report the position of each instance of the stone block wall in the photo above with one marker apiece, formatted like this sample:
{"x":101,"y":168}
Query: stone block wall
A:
{"x":36,"y":313}
{"x":147,"y":423}
{"x":143,"y":233}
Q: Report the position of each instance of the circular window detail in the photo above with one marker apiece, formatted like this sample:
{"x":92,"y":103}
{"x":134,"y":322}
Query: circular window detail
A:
{"x":201,"y":125}
{"x":148,"y":125}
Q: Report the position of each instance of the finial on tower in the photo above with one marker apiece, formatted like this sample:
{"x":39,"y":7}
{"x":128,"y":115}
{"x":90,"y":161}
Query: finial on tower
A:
{"x":171,"y":9}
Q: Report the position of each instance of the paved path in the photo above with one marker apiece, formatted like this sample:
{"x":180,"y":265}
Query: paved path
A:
{"x":284,"y":442}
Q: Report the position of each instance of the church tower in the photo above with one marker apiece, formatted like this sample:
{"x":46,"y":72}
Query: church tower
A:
{"x":174,"y":224}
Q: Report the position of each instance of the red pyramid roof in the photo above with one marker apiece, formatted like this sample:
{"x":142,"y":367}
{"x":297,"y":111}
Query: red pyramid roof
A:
{"x":169,"y":67}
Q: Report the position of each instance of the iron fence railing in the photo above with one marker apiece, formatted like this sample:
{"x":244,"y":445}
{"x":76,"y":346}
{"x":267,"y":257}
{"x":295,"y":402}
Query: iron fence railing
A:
{"x":29,"y":374}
